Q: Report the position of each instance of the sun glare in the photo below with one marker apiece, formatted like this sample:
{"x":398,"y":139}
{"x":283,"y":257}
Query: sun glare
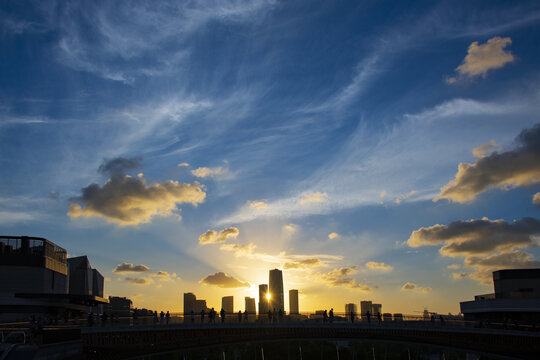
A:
{"x":268,"y":296}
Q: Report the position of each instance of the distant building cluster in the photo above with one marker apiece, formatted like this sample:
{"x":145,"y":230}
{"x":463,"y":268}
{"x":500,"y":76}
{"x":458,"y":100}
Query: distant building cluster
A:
{"x":36,"y":277}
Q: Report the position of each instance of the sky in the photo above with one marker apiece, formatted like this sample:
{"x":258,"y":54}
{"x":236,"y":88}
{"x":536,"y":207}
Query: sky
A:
{"x":372,"y":150}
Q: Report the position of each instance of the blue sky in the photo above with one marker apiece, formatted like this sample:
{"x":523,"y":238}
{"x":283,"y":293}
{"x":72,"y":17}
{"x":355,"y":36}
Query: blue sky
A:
{"x":280,"y":123}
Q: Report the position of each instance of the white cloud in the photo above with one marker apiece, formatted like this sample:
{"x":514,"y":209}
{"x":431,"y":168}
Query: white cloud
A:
{"x":536,"y":199}
{"x":403,"y":197}
{"x":486,"y":149}
{"x":258,"y":205}
{"x":184,"y":164}
{"x":215,"y":172}
{"x":484,"y":57}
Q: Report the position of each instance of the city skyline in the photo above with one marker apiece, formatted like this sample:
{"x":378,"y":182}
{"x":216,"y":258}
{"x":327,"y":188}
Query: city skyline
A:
{"x":371,"y":151}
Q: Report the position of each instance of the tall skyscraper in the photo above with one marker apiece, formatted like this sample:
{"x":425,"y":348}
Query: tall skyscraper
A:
{"x":376,"y":309}
{"x":263,"y":300}
{"x":250,"y":308}
{"x":293,"y":302}
{"x":366,"y":306}
{"x":275,"y":285}
{"x":349,"y":308}
{"x":227,"y":304}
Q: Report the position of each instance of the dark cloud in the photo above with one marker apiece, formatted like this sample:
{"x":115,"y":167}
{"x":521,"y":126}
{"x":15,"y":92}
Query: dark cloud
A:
{"x":139,"y":281}
{"x":214,"y":237}
{"x":477,"y":236}
{"x":514,"y":259}
{"x":510,"y":169}
{"x":126,"y":200}
{"x":127,"y":267}
{"x":340,"y":277}
{"x":118,"y":166}
{"x":223,"y":280}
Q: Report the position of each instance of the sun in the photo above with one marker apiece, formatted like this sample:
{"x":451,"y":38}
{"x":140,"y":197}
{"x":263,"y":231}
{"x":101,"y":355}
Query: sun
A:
{"x":267,"y":296}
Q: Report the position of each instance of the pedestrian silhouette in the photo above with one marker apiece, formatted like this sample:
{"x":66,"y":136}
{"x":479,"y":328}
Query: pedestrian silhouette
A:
{"x":379,"y":318}
{"x":240,"y":316}
{"x":167,"y":317}
{"x":193,"y":316}
{"x":352,"y":316}
{"x":368,"y":315}
{"x":269,"y":316}
{"x":202,"y":316}
{"x":246,"y":316}
{"x":331,"y":315}
{"x":222,"y":314}
{"x":325,"y":317}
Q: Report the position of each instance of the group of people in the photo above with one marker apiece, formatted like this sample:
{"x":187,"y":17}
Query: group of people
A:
{"x":367,"y":315}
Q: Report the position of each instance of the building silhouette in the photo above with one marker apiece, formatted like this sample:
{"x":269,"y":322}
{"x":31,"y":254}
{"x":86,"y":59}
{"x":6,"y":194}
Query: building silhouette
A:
{"x":293,"y":302}
{"x":37,"y":278}
{"x":250,"y":308}
{"x":190,"y":301}
{"x":376,"y":309}
{"x":263,"y":300}
{"x":120,"y":305}
{"x":350,"y":308}
{"x":516,"y":298}
{"x":227,"y":304}
{"x":275,"y":285}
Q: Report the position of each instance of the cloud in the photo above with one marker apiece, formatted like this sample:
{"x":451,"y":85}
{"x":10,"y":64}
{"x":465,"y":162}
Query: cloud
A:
{"x":517,"y":167}
{"x":315,"y":197}
{"x":340,"y":278}
{"x":536,"y":199}
{"x":127,"y":267}
{"x":223,"y":280}
{"x":184,"y":164}
{"x":484,"y":57}
{"x":214,"y":237}
{"x":484,"y":266}
{"x":258,"y":205}
{"x":290,"y":228}
{"x":406,"y":196}
{"x":453,"y":266}
{"x":303,"y":263}
{"x":139,"y":281}
{"x":472,"y":237}
{"x":409,"y":286}
{"x":118,"y":166}
{"x":378,"y":266}
{"x":163,"y":275}
{"x":205,"y":172}
{"x":125,"y":200}
{"x":486,"y":149}
{"x":333,"y":236}
{"x":458,"y":276}
{"x":239,"y":250}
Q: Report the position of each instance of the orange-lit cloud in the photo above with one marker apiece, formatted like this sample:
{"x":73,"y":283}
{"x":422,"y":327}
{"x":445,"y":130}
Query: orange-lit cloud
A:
{"x":316,"y":197}
{"x":184,"y":164}
{"x":163,"y":275}
{"x":139,"y":281}
{"x":486,"y":149}
{"x":239,"y":250}
{"x":214,"y":237}
{"x":484,"y":57}
{"x":220,"y":279}
{"x":127,"y":267}
{"x":406,"y":196}
{"x":290,"y":229}
{"x":506,"y":170}
{"x":258,"y":205}
{"x":378,"y":266}
{"x":409,"y":286}
{"x":536,"y":199}
{"x":459,"y":276}
{"x":453,"y":266}
{"x":303,"y":263}
{"x":125,"y":200}
{"x":333,"y":236}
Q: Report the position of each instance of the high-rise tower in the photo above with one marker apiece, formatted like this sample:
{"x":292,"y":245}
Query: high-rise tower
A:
{"x":275,"y":285}
{"x":293,"y":301}
{"x":263,"y":300}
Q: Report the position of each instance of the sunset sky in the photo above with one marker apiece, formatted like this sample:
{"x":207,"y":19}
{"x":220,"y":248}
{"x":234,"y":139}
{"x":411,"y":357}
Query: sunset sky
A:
{"x":372,"y":150}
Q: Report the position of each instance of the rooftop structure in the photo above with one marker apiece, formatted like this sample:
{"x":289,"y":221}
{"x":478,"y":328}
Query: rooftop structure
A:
{"x":516,"y":298}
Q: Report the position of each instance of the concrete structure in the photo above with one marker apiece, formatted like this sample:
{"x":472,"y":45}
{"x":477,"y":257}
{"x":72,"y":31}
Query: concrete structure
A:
{"x":365,"y":306}
{"x":82,"y":279}
{"x":516,"y":298}
{"x":293,"y":302}
{"x":376,"y":309}
{"x":190,"y":301}
{"x":120,"y":305}
{"x":275,"y":287}
{"x":227,"y":304}
{"x":263,"y":300}
{"x":200,"y":305}
{"x":35,"y":278}
{"x":250,"y":308}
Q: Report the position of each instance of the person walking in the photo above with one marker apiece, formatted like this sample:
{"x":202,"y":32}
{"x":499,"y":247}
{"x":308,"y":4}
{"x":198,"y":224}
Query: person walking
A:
{"x":202,"y":316}
{"x":352,"y":316}
{"x":379,"y":318}
{"x":331,"y":315}
{"x":325,"y":317}
{"x":167,"y":317}
{"x":240,"y":316}
{"x":368,"y":315}
{"x":222,"y":314}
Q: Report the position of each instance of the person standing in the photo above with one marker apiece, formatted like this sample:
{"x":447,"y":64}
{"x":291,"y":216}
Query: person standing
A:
{"x":331,"y":315}
{"x":222,"y":314}
{"x":167,"y":317}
